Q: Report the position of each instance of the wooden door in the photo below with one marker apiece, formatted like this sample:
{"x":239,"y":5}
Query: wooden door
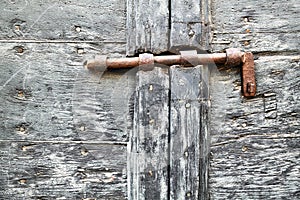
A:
{"x":159,"y":133}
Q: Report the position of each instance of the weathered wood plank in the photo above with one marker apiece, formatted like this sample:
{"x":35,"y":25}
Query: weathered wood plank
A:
{"x":41,"y":170}
{"x":185,"y":24}
{"x":256,"y":25}
{"x":262,"y":167}
{"x":46,"y":94}
{"x":147,"y":26}
{"x":148,"y":160}
{"x":189,"y":133}
{"x":255,"y":142}
{"x":265,"y":16}
{"x":189,"y":22}
{"x":63,"y":129}
{"x":257,"y":42}
{"x":63,"y":20}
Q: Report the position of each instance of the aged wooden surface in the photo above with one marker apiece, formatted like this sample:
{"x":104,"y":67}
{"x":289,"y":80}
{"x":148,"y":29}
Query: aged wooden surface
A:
{"x":167,"y":26}
{"x":189,"y":24}
{"x":83,"y":20}
{"x":62,"y":170}
{"x":189,"y":133}
{"x":185,"y":23}
{"x":256,"y":25}
{"x":148,"y":160}
{"x":64,"y":130}
{"x":48,"y":93}
{"x":148,"y":26}
{"x":255,"y":142}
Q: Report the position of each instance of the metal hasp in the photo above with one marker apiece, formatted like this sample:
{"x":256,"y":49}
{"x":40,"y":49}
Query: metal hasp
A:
{"x":232,"y":57}
{"x":248,"y":73}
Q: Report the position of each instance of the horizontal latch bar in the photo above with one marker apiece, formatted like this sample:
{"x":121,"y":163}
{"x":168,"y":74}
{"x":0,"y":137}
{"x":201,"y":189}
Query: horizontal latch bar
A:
{"x":232,"y":57}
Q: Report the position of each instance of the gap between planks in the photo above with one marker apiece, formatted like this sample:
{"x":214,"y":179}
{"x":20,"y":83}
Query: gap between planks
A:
{"x":261,"y":137}
{"x":62,"y":41}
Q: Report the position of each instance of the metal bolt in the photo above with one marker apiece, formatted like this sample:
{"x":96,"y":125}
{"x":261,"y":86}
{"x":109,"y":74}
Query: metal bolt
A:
{"x":187,"y":105}
{"x":84,"y":151}
{"x":246,"y":43}
{"x":80,"y":50}
{"x":20,"y":50}
{"x":244,"y":148}
{"x":150,"y":173}
{"x":246,"y":19}
{"x":186,"y":154}
{"x":188,"y":194}
{"x":232,"y":57}
{"x":17,"y":27}
{"x":82,"y":128}
{"x":191,"y":33}
{"x":77,"y":28}
{"x":150,"y":87}
{"x":20,"y":94}
{"x":22,"y":129}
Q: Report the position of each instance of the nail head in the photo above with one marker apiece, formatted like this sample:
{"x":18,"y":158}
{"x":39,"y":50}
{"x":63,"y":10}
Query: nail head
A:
{"x":80,"y":50}
{"x":77,"y":28}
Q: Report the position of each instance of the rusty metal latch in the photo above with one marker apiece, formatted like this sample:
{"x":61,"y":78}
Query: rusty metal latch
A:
{"x":232,"y":57}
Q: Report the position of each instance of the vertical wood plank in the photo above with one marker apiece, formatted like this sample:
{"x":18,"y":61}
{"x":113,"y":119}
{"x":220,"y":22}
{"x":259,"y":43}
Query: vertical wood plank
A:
{"x":189,"y":133}
{"x":147,"y":26}
{"x":185,"y":23}
{"x":148,"y":146}
{"x":189,"y":24}
{"x":204,"y":133}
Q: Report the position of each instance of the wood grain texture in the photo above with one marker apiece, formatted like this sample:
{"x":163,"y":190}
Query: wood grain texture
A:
{"x":255,"y":142}
{"x":189,"y":133}
{"x":148,"y":159}
{"x":147,"y":26}
{"x":64,"y":130}
{"x":190,"y":20}
{"x":46,"y":94}
{"x":63,"y":20}
{"x":257,"y":26}
{"x":185,"y":23}
{"x":31,"y":170}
